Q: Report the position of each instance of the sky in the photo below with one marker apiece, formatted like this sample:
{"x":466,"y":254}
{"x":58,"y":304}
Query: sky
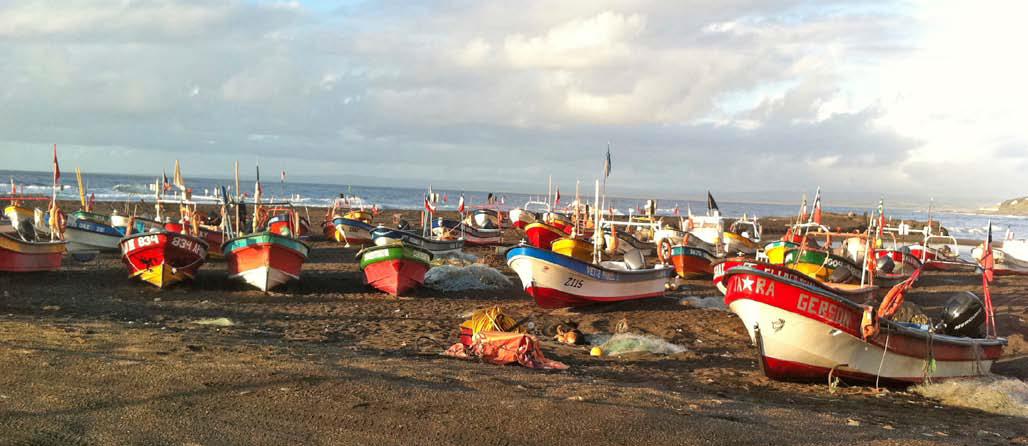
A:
{"x":747,"y":98}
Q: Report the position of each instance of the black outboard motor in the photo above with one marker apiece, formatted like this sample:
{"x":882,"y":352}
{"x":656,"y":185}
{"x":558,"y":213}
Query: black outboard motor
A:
{"x":886,"y":265}
{"x":404,"y":225}
{"x":963,"y":315}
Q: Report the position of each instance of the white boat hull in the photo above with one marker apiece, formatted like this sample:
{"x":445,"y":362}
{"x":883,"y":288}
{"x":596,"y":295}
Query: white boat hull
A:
{"x":264,"y":278}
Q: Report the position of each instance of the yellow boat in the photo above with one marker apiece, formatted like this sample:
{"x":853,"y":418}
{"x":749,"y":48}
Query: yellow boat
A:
{"x":18,"y":213}
{"x":573,"y":247}
{"x":775,"y":251}
{"x":360,"y":215}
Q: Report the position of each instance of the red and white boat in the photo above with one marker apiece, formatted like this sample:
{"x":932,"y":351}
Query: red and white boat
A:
{"x":542,"y":235}
{"x":531,"y":212}
{"x":940,"y":253}
{"x":163,"y":258}
{"x":1011,"y":258}
{"x":20,"y":256}
{"x":804,"y":330}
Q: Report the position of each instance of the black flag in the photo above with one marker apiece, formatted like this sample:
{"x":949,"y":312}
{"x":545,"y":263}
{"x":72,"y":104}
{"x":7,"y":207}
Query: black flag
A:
{"x":711,"y":204}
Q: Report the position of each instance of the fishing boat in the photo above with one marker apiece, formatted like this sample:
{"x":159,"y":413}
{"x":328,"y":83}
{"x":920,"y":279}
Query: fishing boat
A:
{"x":352,"y":228}
{"x":382,"y":236}
{"x":692,"y":262}
{"x":265,"y":259}
{"x":819,"y":264}
{"x":1011,"y":258}
{"x":542,"y":235}
{"x":484,"y":218}
{"x":20,"y":255}
{"x":445,"y":229}
{"x":939,"y":253}
{"x":742,"y":237}
{"x":560,"y":221}
{"x":394,"y":268}
{"x":557,"y":281}
{"x":775,"y":250}
{"x":531,"y":212}
{"x":806,"y":331}
{"x":268,"y":257}
{"x":88,"y":231}
{"x":627,"y":242}
{"x":163,"y":258}
{"x":894,"y":265}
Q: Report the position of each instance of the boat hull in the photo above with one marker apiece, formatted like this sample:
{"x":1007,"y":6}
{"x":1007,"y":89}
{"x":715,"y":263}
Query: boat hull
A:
{"x":558,"y":281}
{"x":775,"y":251}
{"x":350,"y":231}
{"x":804,"y":332}
{"x":542,"y":235}
{"x":163,"y":258}
{"x":691,"y":262}
{"x":20,"y":256}
{"x":265,"y":260}
{"x":395,"y":269}
{"x":453,"y":230}
{"x":576,"y":248}
{"x":84,"y":235}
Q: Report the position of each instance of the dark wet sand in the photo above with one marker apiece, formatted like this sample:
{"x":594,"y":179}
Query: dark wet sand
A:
{"x":89,"y":357}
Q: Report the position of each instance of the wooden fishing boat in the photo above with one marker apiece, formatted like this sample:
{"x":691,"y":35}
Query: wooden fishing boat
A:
{"x":20,"y":255}
{"x":351,"y":231}
{"x":742,"y":237}
{"x":484,"y":218}
{"x":560,"y":221}
{"x":556,"y":281}
{"x":382,"y":236}
{"x":542,"y":235}
{"x":806,"y":331}
{"x":819,"y":264}
{"x":531,"y":212}
{"x":265,"y":259}
{"x":88,"y":231}
{"x":627,"y":242}
{"x":692,"y":262}
{"x":163,"y":258}
{"x":394,"y":268}
{"x":775,"y":250}
{"x":445,"y":229}
{"x":940,"y":253}
{"x":573,"y":247}
{"x":1011,"y":258}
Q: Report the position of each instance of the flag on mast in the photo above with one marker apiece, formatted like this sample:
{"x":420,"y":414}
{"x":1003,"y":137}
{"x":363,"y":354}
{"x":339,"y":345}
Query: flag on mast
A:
{"x":178,"y":181}
{"x":815,"y":215}
{"x":57,"y":169}
{"x":712,"y":205}
{"x":460,"y":204}
{"x":556,"y":197}
{"x":606,"y":163}
{"x":429,"y":206}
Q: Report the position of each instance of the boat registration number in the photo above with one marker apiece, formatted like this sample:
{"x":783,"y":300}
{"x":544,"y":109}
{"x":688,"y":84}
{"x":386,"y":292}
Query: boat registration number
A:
{"x":573,"y":283}
{"x":133,"y":244}
{"x":188,"y":245}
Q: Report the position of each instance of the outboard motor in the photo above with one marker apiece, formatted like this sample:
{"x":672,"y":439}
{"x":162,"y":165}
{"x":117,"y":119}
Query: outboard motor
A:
{"x":403,"y":225}
{"x":963,"y":315}
{"x":26,"y":231}
{"x":886,"y":265}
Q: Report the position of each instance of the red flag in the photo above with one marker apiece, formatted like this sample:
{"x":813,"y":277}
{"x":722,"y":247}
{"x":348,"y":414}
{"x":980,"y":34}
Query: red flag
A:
{"x":57,"y":168}
{"x":446,"y":197}
{"x":556,"y":200}
{"x":92,"y":200}
{"x":460,"y":204}
{"x":429,"y":206}
{"x":677,"y":211}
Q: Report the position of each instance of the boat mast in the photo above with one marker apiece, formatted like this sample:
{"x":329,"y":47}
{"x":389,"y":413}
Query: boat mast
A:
{"x":239,"y":227}
{"x":597,"y":251}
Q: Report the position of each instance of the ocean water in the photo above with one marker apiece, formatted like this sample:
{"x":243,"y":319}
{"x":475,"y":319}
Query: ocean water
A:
{"x":108,"y":187}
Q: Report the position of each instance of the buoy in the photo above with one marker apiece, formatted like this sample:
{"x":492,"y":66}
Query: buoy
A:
{"x":596,"y":351}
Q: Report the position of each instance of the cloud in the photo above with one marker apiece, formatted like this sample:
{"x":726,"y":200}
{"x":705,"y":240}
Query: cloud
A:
{"x":731,"y":95}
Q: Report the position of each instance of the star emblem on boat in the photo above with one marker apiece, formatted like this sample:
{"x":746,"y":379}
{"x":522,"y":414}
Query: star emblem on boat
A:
{"x":747,"y":283}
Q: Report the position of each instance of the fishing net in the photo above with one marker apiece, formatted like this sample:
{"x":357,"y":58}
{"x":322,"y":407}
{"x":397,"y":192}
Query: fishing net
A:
{"x":715,"y":303}
{"x":460,"y":278}
{"x":454,"y":258}
{"x":636,"y":343}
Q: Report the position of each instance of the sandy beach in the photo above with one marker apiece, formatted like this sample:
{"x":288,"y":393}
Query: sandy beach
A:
{"x":90,"y":357}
